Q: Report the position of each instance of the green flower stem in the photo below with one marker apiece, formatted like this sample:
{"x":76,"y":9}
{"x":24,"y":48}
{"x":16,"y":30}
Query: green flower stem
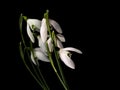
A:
{"x":36,"y":73}
{"x":20,"y":26}
{"x":23,"y":59}
{"x":40,"y":82}
{"x":58,"y":62}
{"x":43,"y":78}
{"x":63,"y":82}
{"x":39,"y":71}
{"x":57,"y":59}
{"x":59,"y":67}
{"x":52,"y":64}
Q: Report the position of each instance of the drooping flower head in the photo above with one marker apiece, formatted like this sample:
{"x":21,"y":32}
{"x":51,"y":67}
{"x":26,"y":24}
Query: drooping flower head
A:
{"x":38,"y":55}
{"x":64,"y":56}
{"x":32,"y":24}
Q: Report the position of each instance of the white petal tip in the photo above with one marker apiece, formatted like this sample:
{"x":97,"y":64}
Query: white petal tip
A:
{"x":72,"y":67}
{"x":73,"y":49}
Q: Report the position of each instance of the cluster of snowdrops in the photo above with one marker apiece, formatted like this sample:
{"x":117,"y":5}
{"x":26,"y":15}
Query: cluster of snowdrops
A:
{"x":47,"y":33}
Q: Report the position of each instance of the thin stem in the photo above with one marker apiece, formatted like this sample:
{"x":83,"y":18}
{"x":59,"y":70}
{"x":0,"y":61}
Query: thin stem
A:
{"x":52,"y":64}
{"x":20,"y":26}
{"x":23,"y":59}
{"x":58,"y":62}
{"x":50,"y":57}
{"x":59,"y":67}
{"x":43,"y":78}
{"x":39,"y":71}
{"x":22,"y":55}
{"x":35,"y":71}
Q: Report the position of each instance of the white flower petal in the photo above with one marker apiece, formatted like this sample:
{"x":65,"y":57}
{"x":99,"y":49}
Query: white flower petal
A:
{"x":32,"y":58}
{"x":41,"y":44}
{"x":72,"y":49}
{"x":59,"y":44}
{"x":61,"y":37}
{"x":30,"y":34}
{"x":43,"y":30}
{"x":40,"y":55}
{"x":35,"y":22}
{"x":50,"y":45}
{"x":55,"y":25}
{"x":39,"y":41}
{"x":42,"y":50}
{"x":67,"y":60}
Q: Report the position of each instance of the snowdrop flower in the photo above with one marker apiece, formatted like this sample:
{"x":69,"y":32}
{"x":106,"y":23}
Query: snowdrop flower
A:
{"x":43,"y":28}
{"x":60,"y":39}
{"x":32,"y":24}
{"x":55,"y":25}
{"x":58,"y":42}
{"x":64,"y":56}
{"x":38,"y":55}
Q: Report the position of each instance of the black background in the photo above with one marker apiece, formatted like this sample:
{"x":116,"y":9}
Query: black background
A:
{"x":86,"y":26}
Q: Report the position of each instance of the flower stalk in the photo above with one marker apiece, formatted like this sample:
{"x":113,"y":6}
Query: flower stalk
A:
{"x":37,"y":76}
{"x":61,"y":78}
